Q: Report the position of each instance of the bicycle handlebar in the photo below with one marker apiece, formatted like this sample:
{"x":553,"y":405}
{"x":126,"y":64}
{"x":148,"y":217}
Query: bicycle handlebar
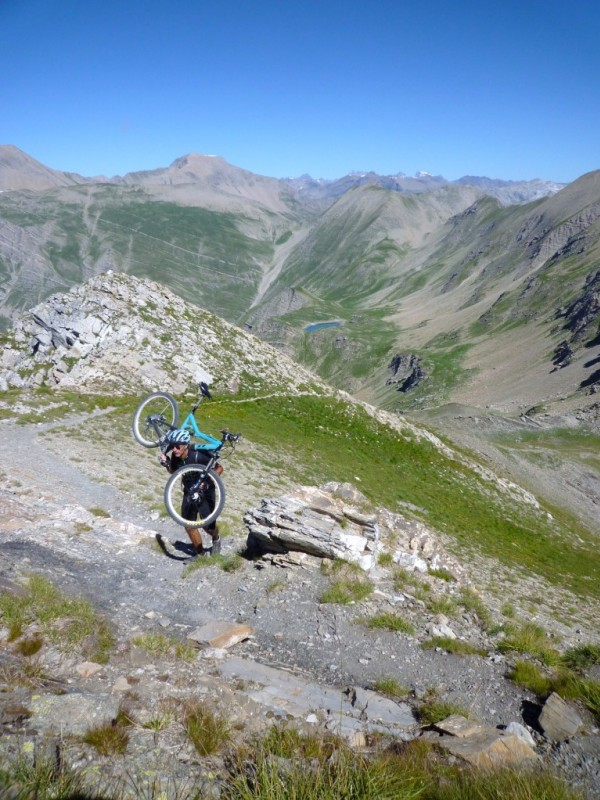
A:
{"x":230,"y":437}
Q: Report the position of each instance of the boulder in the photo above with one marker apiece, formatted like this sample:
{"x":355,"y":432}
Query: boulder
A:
{"x":220,"y":634}
{"x":72,"y":713}
{"x":558,"y":719}
{"x":316,"y":522}
{"x":335,"y":521}
{"x":489,"y":749}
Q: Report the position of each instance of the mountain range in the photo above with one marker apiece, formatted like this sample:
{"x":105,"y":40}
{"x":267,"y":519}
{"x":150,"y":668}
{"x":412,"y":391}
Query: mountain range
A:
{"x":409,"y":292}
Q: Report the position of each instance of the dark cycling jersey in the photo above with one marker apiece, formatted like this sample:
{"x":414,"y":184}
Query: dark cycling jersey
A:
{"x":193,"y":457}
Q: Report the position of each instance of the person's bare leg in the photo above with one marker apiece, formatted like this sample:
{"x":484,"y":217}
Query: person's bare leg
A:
{"x":195,"y":538}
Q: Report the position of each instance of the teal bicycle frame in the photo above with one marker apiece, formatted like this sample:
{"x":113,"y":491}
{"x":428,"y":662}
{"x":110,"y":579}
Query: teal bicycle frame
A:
{"x":190,"y":424}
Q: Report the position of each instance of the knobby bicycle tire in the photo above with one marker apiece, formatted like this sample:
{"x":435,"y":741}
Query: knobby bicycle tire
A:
{"x":159,"y":404}
{"x":174,"y":492}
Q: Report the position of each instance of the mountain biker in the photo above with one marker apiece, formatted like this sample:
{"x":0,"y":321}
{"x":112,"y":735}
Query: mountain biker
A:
{"x":177,"y":454}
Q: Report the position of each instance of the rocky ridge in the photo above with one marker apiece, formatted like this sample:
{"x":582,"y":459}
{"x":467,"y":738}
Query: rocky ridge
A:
{"x":120,"y":333}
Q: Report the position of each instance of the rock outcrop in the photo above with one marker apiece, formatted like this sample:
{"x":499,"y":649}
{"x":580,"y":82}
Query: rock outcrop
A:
{"x":335,"y":521}
{"x":407,"y":372}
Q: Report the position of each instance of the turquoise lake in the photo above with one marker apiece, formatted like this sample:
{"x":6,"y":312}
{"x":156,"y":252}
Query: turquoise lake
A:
{"x":317,"y":326}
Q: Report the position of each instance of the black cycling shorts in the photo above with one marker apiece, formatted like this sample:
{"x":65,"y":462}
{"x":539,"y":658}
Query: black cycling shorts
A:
{"x":191,"y":508}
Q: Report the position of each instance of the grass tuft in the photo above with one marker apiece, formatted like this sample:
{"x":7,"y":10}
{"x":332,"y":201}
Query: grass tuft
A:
{"x":433,"y":710}
{"x":471,"y":601}
{"x":567,"y":684}
{"x":389,"y":622}
{"x":530,"y":676}
{"x":444,"y":574}
{"x":70,"y":622}
{"x":29,"y":647}
{"x":531,"y":639}
{"x":42,"y":779}
{"x":110,"y":739}
{"x":582,"y":657}
{"x":161,"y":646}
{"x":347,"y":590}
{"x":391,"y":687}
{"x":209,"y":732}
{"x":457,"y":646}
{"x":349,"y":583}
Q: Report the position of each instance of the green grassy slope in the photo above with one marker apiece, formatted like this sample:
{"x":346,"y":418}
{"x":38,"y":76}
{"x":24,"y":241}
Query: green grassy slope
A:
{"x":314,"y":439}
{"x":213,"y":259}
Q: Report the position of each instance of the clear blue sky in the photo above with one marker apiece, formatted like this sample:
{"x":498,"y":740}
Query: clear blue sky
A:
{"x":502,"y":88}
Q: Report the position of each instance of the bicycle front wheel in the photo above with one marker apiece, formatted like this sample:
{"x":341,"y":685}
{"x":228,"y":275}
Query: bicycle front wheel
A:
{"x":155,"y":416}
{"x":194,"y":496}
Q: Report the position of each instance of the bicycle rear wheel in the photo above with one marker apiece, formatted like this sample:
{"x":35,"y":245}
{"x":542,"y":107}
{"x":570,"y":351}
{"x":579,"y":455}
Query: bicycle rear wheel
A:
{"x":200,"y":506}
{"x":155,"y":416}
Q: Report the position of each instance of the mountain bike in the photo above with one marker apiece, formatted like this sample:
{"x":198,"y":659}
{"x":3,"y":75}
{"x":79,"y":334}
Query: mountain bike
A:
{"x":154,"y":418}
